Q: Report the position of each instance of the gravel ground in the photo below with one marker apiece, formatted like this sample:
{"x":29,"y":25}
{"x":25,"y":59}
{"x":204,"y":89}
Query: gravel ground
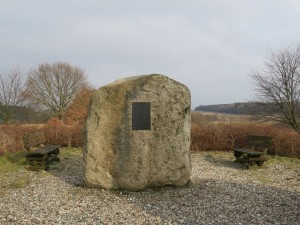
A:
{"x":221,"y":192}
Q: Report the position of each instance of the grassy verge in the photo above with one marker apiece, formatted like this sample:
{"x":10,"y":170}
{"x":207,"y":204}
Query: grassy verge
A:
{"x":12,"y":171}
{"x":284,"y":160}
{"x":70,"y":158}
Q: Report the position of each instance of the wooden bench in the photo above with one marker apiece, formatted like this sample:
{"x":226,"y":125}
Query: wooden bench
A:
{"x":39,"y":155}
{"x":255,"y":151}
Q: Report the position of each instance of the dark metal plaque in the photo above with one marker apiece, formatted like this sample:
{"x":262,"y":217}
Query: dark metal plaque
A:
{"x":141,"y":116}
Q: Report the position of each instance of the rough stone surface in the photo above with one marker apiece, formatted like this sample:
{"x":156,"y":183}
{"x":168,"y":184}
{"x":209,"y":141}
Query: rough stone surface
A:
{"x":117,"y":157}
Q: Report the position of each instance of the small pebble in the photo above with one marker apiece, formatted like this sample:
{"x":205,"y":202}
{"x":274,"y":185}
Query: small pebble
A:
{"x":221,"y":192}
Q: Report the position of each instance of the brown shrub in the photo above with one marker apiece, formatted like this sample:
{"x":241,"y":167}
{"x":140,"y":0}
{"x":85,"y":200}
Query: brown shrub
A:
{"x":285,"y":142}
{"x":5,"y":142}
{"x":64,"y":135}
{"x":11,"y":135}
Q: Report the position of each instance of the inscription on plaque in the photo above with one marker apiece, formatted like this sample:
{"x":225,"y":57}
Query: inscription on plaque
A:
{"x":141,"y":116}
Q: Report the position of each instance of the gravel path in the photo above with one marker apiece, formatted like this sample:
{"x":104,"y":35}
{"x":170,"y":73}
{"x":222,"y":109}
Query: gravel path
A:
{"x":221,"y":192}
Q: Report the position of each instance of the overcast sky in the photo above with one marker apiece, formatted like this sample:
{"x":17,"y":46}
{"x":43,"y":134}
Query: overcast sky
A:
{"x":210,"y":46}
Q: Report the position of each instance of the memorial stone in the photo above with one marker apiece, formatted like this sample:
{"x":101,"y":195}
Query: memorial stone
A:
{"x":137,"y":134}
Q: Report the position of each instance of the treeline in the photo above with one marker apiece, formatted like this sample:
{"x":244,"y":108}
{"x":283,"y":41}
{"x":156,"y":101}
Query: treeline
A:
{"x":23,"y":114}
{"x":75,"y":113}
{"x":50,"y":90}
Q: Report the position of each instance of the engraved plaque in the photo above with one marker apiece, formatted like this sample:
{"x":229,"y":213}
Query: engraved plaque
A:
{"x":141,"y":116}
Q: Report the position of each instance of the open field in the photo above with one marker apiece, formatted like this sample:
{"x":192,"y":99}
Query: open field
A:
{"x":211,"y":118}
{"x":220,"y":192}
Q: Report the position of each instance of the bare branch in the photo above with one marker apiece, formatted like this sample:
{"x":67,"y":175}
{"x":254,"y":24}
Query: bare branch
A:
{"x":12,"y":93}
{"x":54,"y":86}
{"x":277,"y":88}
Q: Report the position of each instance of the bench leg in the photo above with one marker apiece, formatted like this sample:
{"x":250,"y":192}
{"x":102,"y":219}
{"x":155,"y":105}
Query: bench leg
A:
{"x":46,"y":167}
{"x":54,"y":157}
{"x":43,"y":163}
{"x":260,"y":163}
{"x":37,"y":165}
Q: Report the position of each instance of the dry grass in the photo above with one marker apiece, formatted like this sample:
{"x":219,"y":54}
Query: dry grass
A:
{"x":12,"y":172}
{"x":211,"y":118}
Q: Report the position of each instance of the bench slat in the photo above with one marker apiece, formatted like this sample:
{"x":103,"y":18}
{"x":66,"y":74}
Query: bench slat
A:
{"x":36,"y":157}
{"x":54,"y":149}
{"x":248,"y":151}
{"x":34,"y":139}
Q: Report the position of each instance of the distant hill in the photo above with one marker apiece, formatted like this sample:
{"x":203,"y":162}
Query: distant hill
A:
{"x":234,"y":108}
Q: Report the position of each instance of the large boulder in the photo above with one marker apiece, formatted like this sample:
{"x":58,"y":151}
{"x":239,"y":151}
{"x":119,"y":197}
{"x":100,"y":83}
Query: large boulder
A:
{"x":137,"y":134}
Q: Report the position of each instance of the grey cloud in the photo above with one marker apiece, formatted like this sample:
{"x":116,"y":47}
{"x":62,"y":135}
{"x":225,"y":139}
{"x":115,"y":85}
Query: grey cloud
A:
{"x":211,"y":46}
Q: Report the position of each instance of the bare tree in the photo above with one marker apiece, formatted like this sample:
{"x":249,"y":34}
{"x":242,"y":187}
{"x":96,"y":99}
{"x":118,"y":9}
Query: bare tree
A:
{"x":12,"y":93}
{"x":54,"y":86}
{"x":277,"y":88}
